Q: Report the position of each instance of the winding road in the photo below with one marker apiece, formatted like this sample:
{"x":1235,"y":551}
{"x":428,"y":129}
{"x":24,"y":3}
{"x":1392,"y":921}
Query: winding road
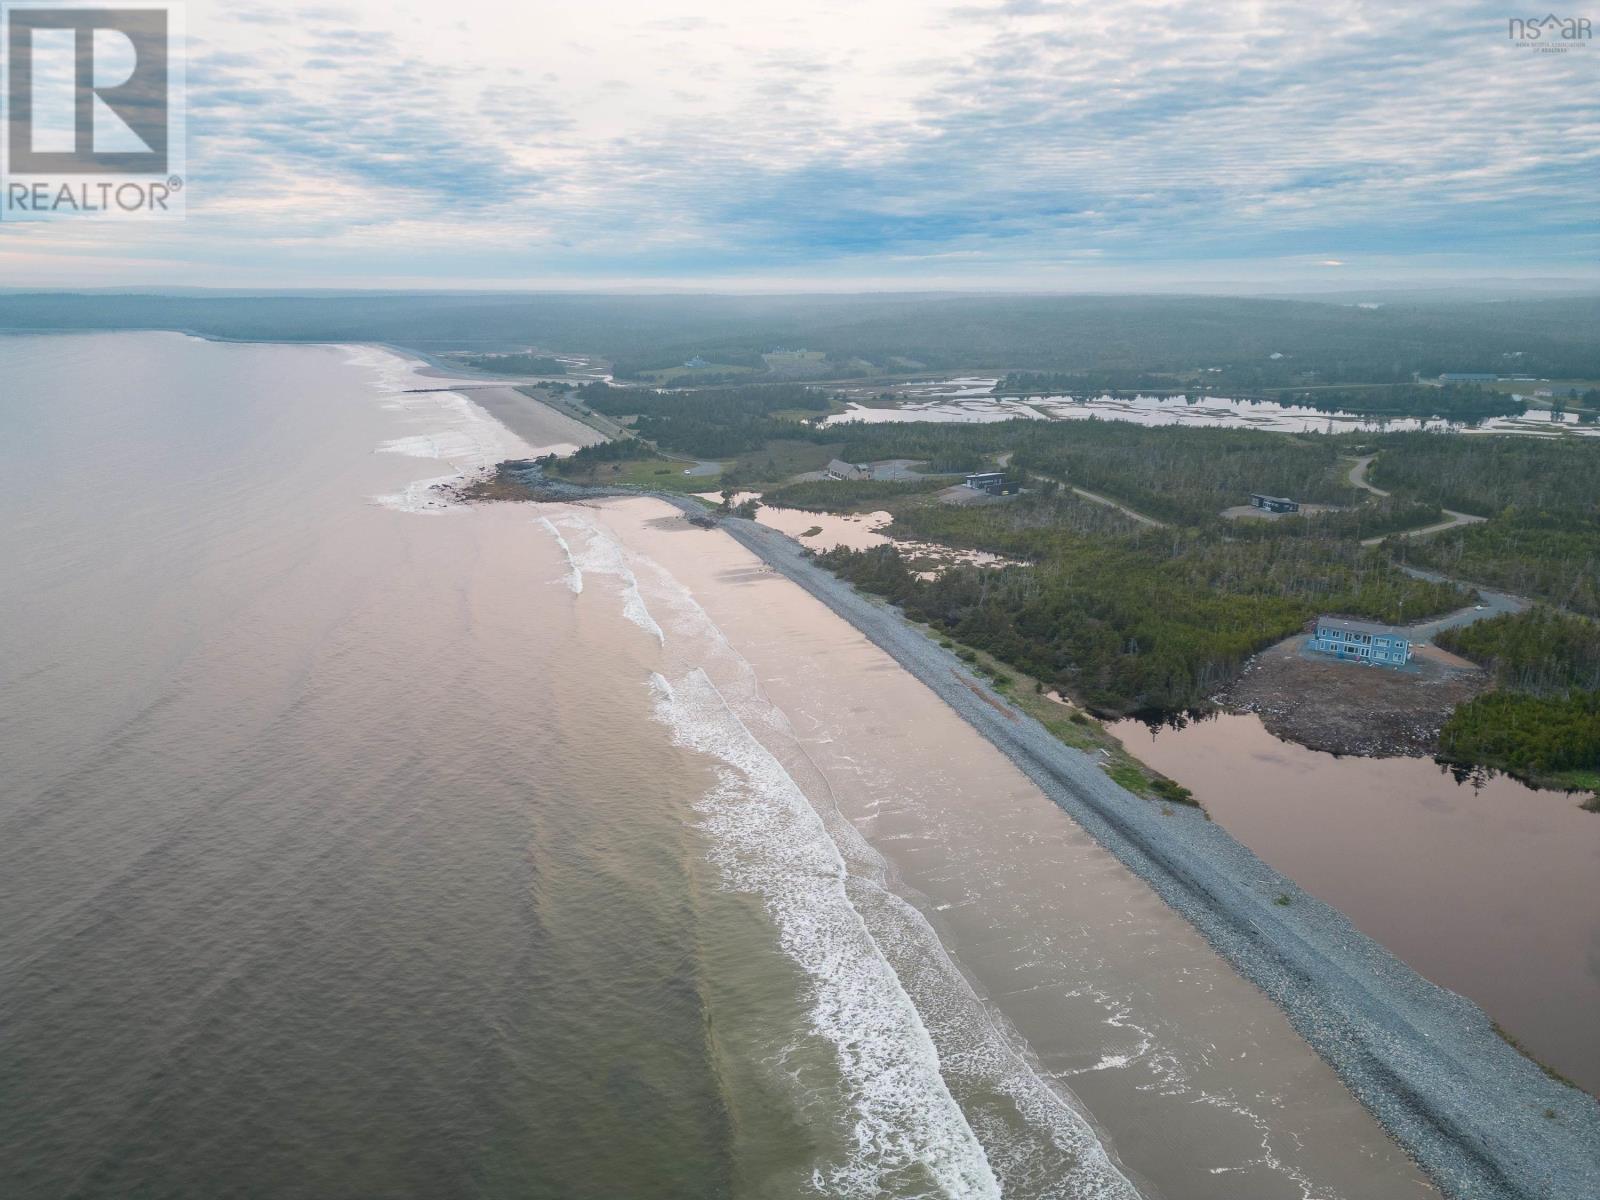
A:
{"x":1358,"y":476}
{"x":1004,"y":461}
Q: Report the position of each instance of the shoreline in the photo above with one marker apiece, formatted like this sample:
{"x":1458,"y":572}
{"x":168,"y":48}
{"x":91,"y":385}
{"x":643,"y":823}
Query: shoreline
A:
{"x":1006,"y":921}
{"x":1426,"y":1062}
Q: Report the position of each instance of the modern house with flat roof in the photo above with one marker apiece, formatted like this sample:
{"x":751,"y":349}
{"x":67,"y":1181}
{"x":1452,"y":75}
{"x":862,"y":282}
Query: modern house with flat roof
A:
{"x":1363,"y":641}
{"x":1273,"y":504}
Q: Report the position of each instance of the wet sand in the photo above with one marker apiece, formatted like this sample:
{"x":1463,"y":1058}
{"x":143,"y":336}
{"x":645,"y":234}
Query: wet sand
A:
{"x":1196,"y":1081}
{"x":542,"y":427}
{"x":1492,"y":891}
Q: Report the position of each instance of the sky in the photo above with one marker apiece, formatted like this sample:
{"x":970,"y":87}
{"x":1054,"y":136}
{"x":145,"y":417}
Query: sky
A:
{"x":872,"y":144}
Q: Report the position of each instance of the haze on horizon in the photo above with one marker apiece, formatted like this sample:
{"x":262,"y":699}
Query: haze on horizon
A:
{"x":1011,"y":145}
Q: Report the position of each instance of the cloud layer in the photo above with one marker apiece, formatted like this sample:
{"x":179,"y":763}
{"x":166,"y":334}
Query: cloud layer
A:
{"x":1019,"y":143}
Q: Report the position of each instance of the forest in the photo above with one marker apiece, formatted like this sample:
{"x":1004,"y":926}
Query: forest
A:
{"x":1542,"y":498}
{"x":712,"y":423}
{"x":1451,"y":402}
{"x":513,"y":364}
{"x":1485,"y":475}
{"x":1233,"y":339}
{"x":1185,"y":475}
{"x":849,"y":495}
{"x":1531,"y":736}
{"x":1178,"y":474}
{"x":1540,"y":651}
{"x":1082,"y":383}
{"x":1127,"y":620}
{"x":1550,"y":556}
{"x":586,"y":457}
{"x":1544,"y":719}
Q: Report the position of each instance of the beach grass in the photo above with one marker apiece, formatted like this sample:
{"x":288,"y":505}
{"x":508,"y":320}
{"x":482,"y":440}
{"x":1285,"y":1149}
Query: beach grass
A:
{"x":1071,"y":725}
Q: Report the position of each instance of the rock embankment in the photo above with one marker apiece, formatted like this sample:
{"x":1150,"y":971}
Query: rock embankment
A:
{"x":1481,"y":1119}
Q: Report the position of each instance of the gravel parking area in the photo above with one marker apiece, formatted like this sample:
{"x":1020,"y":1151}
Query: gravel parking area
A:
{"x":1350,"y":708}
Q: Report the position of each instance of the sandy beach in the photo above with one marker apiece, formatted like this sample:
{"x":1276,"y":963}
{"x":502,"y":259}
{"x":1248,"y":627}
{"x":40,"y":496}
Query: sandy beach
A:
{"x":1049,"y":930}
{"x":542,"y":427}
{"x":1051,"y":978}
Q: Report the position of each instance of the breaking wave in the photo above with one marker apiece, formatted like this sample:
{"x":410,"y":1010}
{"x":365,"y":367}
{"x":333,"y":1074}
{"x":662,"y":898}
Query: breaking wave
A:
{"x":939,"y":1090}
{"x":452,"y":429}
{"x":574,"y":575}
{"x":767,"y":840}
{"x":602,"y":554}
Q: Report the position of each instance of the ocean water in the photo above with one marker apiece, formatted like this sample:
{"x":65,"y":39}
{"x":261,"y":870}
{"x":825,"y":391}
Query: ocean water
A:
{"x":355,"y":844}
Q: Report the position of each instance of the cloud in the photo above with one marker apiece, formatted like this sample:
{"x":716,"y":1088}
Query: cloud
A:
{"x":1001,"y":141}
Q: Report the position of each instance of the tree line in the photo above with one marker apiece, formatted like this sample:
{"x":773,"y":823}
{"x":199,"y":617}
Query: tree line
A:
{"x":1128,"y":620}
{"x":1539,"y":651}
{"x":1530,"y":736}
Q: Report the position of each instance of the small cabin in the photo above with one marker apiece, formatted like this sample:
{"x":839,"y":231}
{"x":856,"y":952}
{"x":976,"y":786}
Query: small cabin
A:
{"x":1362,"y":641}
{"x":1273,"y":504}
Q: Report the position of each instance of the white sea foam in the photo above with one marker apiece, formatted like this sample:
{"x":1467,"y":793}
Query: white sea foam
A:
{"x":1058,"y":1153}
{"x":896,"y":1006}
{"x":451,"y":428}
{"x":574,"y":575}
{"x":770,"y":842}
{"x":601,"y":554}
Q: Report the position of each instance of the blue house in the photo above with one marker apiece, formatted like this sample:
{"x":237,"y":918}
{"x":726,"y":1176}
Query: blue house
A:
{"x":1363,"y":641}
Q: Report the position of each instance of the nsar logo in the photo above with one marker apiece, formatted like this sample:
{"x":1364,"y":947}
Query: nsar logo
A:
{"x":1550,"y":34}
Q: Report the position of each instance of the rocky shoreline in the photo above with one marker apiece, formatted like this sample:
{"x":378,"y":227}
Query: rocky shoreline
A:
{"x":1481,"y":1119}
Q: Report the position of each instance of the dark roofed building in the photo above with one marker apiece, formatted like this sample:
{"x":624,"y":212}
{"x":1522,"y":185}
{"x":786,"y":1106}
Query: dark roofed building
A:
{"x":1273,"y":504}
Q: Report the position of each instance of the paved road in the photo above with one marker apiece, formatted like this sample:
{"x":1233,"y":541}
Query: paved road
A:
{"x":1490,"y":604}
{"x":1358,"y":476}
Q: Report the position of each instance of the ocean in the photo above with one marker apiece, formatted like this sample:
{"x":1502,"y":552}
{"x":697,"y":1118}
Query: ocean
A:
{"x":355,"y":843}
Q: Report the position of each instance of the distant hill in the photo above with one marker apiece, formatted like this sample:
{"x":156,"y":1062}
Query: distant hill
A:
{"x":1337,"y":343}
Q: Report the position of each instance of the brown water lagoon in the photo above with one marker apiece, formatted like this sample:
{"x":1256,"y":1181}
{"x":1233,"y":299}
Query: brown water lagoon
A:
{"x":1490,"y":888}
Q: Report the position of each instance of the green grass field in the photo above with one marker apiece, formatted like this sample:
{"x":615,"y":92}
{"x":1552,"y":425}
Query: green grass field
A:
{"x":657,"y":474}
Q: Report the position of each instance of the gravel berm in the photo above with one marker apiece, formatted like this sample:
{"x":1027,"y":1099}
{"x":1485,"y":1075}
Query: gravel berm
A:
{"x":1480,"y":1118}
